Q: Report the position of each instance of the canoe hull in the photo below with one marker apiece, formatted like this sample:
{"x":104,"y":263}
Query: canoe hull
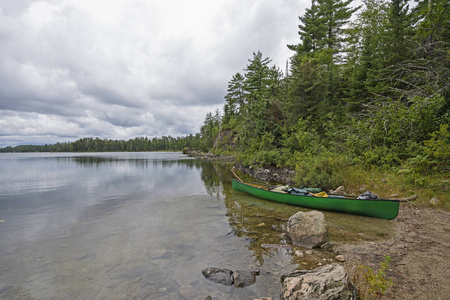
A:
{"x":380,"y":208}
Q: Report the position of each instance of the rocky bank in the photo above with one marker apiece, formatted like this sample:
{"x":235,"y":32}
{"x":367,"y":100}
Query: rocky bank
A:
{"x":419,"y":248}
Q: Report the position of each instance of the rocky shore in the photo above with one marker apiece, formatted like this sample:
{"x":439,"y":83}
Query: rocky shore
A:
{"x":419,"y":248}
{"x":268,"y":174}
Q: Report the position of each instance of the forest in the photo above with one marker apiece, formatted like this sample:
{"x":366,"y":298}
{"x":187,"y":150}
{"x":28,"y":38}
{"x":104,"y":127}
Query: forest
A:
{"x":365,"y":91}
{"x":366,"y":88}
{"x":164,"y":143}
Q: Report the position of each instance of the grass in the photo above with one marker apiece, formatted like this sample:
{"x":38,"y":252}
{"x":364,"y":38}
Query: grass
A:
{"x":387,"y":183}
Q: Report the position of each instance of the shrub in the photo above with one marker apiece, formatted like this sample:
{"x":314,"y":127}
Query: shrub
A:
{"x":371,"y":285}
{"x":323,"y":170}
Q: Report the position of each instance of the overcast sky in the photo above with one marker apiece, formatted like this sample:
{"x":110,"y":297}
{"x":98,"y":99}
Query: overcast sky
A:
{"x":118,"y":69}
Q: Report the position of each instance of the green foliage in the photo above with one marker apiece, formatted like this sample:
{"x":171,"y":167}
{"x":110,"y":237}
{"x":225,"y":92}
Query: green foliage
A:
{"x":395,"y":122}
{"x":164,"y":143}
{"x":323,"y":169}
{"x":438,"y":146}
{"x":209,"y":130}
{"x":371,"y":285}
{"x":256,"y":79}
{"x":436,"y":158}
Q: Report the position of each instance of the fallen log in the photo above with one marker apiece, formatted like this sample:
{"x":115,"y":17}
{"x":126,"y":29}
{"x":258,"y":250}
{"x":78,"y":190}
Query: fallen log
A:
{"x":411,"y":198}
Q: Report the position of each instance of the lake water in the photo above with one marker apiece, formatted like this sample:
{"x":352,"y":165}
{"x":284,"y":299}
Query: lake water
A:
{"x":143,"y":226}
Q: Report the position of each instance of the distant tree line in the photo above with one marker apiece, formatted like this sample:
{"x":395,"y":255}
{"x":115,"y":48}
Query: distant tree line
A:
{"x":371,"y":92}
{"x":165,"y":143}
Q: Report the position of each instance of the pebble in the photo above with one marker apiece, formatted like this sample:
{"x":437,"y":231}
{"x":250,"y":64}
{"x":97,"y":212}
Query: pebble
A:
{"x":299,"y":253}
{"x":187,"y":291}
{"x":340,"y":258}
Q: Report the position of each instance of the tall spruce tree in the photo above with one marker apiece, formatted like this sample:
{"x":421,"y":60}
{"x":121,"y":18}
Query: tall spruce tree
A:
{"x":256,"y":77}
{"x":312,"y":31}
{"x":366,"y":58}
{"x":398,"y":35}
{"x":316,"y":64}
{"x":235,"y":98}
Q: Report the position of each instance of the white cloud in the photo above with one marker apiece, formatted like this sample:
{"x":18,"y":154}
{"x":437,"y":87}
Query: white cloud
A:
{"x":126,"y":68}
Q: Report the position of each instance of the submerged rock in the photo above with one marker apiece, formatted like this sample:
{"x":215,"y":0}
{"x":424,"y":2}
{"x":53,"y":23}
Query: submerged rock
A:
{"x":218,"y":275}
{"x":324,"y":283}
{"x":307,"y":229}
{"x":228,"y":277}
{"x":243,"y":278}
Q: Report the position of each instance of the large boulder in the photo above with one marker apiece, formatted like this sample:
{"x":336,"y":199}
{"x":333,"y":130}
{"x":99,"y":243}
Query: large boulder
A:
{"x":307,"y":229}
{"x":329,"y":282}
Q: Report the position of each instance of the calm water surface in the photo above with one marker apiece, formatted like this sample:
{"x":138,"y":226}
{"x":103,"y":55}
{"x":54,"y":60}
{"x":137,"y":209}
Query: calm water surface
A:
{"x":143,"y":226}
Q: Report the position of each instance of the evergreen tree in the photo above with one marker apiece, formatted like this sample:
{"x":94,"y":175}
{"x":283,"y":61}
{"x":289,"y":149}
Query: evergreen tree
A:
{"x":235,"y":98}
{"x":398,"y":35}
{"x":312,"y":31}
{"x":257,"y":77}
{"x":366,"y":57}
{"x":209,"y":130}
{"x":316,"y":65}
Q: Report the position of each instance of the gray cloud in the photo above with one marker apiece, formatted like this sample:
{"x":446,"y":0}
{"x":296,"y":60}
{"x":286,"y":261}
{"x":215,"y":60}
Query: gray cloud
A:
{"x":77,"y":68}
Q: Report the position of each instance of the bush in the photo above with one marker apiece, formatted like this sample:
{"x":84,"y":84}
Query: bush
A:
{"x":372,"y":285}
{"x":438,"y":148}
{"x":325,"y":170}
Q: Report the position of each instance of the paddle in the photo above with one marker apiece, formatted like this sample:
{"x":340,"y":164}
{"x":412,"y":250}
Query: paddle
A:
{"x":232,"y":170}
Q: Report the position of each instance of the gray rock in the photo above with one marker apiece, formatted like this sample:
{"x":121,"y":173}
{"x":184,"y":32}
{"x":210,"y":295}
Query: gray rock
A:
{"x":434,"y":201}
{"x":218,"y":275}
{"x":307,"y":229}
{"x":228,"y":277}
{"x":299,"y":253}
{"x":272,"y":174}
{"x":324,"y":283}
{"x":243,"y":278}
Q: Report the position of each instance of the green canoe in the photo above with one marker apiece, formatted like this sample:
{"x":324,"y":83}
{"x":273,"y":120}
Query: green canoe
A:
{"x":378,"y":208}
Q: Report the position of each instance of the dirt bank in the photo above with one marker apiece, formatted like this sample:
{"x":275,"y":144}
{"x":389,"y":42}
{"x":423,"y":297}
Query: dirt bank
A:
{"x":419,"y":251}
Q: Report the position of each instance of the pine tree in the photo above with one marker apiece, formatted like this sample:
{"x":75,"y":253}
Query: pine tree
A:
{"x":366,"y":58}
{"x":257,"y":77}
{"x":312,"y":31}
{"x":399,"y":32}
{"x":317,"y":63}
{"x":235,"y":98}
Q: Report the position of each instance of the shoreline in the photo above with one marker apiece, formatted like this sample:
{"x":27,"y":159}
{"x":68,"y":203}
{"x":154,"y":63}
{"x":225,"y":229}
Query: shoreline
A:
{"x":419,"y":249}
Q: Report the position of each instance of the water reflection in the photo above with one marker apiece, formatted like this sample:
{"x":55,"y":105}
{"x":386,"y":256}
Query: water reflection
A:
{"x":263,"y":224}
{"x":141,"y":225}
